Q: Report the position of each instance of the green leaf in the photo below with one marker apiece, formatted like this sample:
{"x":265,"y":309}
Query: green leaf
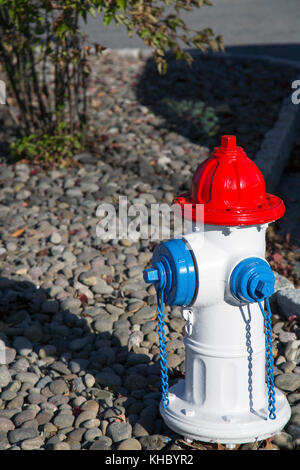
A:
{"x":107,"y":19}
{"x":61,"y":29}
{"x":93,"y":12}
{"x":213,"y":45}
{"x":122,"y":4}
{"x":144,"y":33}
{"x":208,"y":31}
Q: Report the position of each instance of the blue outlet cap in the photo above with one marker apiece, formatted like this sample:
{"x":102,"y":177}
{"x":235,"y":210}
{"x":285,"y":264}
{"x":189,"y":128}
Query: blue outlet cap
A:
{"x":252,"y":280}
{"x":173,"y":270}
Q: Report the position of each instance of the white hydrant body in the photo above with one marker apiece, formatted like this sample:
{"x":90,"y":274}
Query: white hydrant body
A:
{"x":219,"y":275}
{"x":214,"y":402}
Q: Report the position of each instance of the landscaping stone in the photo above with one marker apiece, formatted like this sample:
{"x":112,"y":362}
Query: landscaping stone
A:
{"x":283,"y":440}
{"x":130,"y":444}
{"x":21,"y":434}
{"x":63,"y":420}
{"x":154,"y":442}
{"x":58,"y":386}
{"x":6,"y":424}
{"x":61,"y":446}
{"x":23,"y":416}
{"x":288,"y":382}
{"x":92,"y":434}
{"x":5,"y":376}
{"x":108,"y":379}
{"x":102,"y":443}
{"x":119,"y":431}
{"x":32,"y":444}
{"x":78,"y":322}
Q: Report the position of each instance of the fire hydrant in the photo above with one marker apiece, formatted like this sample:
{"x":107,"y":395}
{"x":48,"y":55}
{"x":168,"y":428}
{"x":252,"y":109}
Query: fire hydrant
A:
{"x":219,"y":276}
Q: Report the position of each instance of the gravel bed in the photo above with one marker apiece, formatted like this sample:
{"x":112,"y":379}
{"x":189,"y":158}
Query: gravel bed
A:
{"x":79,"y":324}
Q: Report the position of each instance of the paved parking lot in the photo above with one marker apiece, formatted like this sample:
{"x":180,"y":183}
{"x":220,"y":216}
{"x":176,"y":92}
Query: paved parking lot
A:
{"x":270,"y":27}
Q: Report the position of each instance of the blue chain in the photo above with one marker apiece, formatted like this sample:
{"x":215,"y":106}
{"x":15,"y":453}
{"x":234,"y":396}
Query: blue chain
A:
{"x":162,"y":347}
{"x":269,"y":358}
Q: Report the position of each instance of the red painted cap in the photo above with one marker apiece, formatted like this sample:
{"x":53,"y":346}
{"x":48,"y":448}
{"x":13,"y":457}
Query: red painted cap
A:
{"x":232,"y":189}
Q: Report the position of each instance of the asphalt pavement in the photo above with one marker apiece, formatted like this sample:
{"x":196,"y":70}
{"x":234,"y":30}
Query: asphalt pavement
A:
{"x":256,"y":27}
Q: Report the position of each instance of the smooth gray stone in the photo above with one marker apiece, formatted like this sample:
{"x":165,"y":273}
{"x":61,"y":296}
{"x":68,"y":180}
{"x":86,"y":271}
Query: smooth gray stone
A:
{"x":119,"y":431}
{"x":21,"y":434}
{"x":5,"y":376}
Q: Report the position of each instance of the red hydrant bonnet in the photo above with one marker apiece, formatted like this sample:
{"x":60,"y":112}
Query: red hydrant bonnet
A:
{"x":232,"y":189}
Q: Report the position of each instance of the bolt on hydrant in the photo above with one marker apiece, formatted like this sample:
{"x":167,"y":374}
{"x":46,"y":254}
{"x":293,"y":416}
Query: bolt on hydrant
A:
{"x":219,"y":276}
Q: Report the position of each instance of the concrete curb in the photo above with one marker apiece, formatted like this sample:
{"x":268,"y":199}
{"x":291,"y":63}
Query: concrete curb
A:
{"x":286,"y":299}
{"x":278,"y":142}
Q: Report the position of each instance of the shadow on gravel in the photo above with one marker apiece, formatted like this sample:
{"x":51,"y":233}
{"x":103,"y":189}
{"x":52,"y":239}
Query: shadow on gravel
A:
{"x":61,"y":344}
{"x":217,"y":95}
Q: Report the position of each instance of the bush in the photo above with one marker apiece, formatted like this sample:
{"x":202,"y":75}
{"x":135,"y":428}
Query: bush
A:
{"x":41,"y":49}
{"x":46,"y":62}
{"x":48,"y":147}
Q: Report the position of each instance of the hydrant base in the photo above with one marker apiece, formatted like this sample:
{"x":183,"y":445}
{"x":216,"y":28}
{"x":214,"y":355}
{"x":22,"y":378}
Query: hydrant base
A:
{"x":194,"y":423}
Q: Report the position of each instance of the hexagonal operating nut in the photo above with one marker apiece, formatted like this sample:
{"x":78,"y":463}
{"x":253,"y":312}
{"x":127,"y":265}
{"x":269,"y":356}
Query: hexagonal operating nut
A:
{"x":151,"y":275}
{"x":262,"y":288}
